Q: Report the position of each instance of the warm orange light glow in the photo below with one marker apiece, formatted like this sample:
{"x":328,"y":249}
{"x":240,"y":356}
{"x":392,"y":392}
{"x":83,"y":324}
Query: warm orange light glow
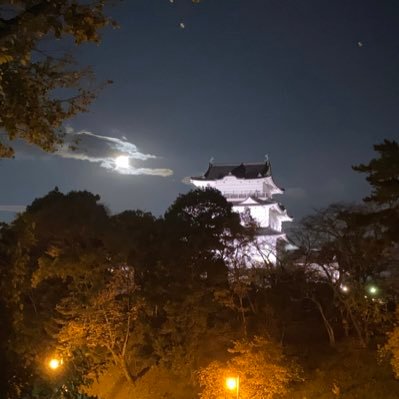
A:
{"x":231,"y":383}
{"x":54,"y":364}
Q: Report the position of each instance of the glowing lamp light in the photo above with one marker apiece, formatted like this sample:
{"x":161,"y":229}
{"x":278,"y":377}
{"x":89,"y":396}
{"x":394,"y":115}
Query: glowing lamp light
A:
{"x":373,"y":290}
{"x":344,"y":288}
{"x":231,"y":383}
{"x":122,"y":162}
{"x":54,"y":364}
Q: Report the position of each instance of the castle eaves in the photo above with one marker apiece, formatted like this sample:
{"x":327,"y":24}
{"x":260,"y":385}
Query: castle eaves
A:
{"x":240,"y":171}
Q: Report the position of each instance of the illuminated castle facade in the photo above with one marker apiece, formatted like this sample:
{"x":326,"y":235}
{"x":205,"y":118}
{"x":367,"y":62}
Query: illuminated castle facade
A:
{"x":250,"y":188}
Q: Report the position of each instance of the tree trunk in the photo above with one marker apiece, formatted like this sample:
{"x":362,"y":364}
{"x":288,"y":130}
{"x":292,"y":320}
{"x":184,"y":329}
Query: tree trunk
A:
{"x":244,"y":319}
{"x":327,"y":324}
{"x":363,"y":341}
{"x":126,"y":372}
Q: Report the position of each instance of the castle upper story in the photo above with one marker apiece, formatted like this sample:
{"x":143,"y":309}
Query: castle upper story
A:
{"x":240,"y":181}
{"x":250,"y":188}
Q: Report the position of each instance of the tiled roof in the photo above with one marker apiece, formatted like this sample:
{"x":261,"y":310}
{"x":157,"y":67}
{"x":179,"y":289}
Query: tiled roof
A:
{"x":241,"y":171}
{"x":243,"y":200}
{"x":268,"y":231}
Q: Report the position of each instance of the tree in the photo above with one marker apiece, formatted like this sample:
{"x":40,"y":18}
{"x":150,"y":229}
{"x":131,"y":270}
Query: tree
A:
{"x":392,"y":346}
{"x":349,"y":257}
{"x":56,"y":243}
{"x":129,"y":294}
{"x":99,"y":325}
{"x":263,"y":371}
{"x":383,"y":176}
{"x":38,"y":90}
{"x":202,"y":228}
{"x":188,"y":320}
{"x":5,"y":317}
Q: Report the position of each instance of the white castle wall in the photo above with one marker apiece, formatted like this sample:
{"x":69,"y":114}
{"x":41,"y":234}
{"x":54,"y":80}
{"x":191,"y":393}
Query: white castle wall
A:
{"x":238,"y":191}
{"x":259,"y":213}
{"x":231,"y":186}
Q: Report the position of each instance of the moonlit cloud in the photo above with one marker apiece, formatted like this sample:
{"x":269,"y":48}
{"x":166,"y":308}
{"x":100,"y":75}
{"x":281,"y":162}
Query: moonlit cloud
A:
{"x":187,"y":180}
{"x":104,"y":150}
{"x":297,"y":193}
{"x":12,"y":208}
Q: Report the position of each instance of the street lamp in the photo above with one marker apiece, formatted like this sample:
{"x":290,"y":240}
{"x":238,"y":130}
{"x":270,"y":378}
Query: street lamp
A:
{"x":233,"y":384}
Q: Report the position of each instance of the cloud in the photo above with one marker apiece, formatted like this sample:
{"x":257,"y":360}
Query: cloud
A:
{"x":297,"y":193}
{"x":186,"y":180}
{"x":87,"y":146}
{"x":12,"y":208}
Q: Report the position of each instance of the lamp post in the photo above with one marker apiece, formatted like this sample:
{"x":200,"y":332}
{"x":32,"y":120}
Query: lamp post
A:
{"x":233,"y":384}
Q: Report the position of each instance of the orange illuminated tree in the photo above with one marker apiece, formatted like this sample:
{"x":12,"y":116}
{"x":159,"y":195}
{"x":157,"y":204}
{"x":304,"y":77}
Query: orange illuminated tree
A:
{"x":100,"y":326}
{"x":391,"y":348}
{"x":263,"y":370}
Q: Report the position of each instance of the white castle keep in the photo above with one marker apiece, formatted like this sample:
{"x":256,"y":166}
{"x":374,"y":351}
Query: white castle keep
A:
{"x":250,"y":188}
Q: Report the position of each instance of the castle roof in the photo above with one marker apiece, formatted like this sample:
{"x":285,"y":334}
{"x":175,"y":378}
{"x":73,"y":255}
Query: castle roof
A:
{"x":268,"y":231}
{"x":249,"y":201}
{"x":241,"y":171}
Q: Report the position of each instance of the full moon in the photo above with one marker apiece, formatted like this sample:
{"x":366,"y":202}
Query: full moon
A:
{"x":122,"y":162}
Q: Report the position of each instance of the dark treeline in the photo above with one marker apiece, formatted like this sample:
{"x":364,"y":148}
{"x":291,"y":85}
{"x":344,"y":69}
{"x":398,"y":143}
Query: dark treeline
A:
{"x":146,"y":307}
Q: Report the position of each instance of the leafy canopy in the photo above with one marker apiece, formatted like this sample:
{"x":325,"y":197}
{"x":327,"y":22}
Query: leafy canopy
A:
{"x":39,"y":90}
{"x":383,"y":174}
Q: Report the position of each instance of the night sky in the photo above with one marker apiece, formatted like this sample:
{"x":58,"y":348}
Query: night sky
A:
{"x":312,"y":83}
